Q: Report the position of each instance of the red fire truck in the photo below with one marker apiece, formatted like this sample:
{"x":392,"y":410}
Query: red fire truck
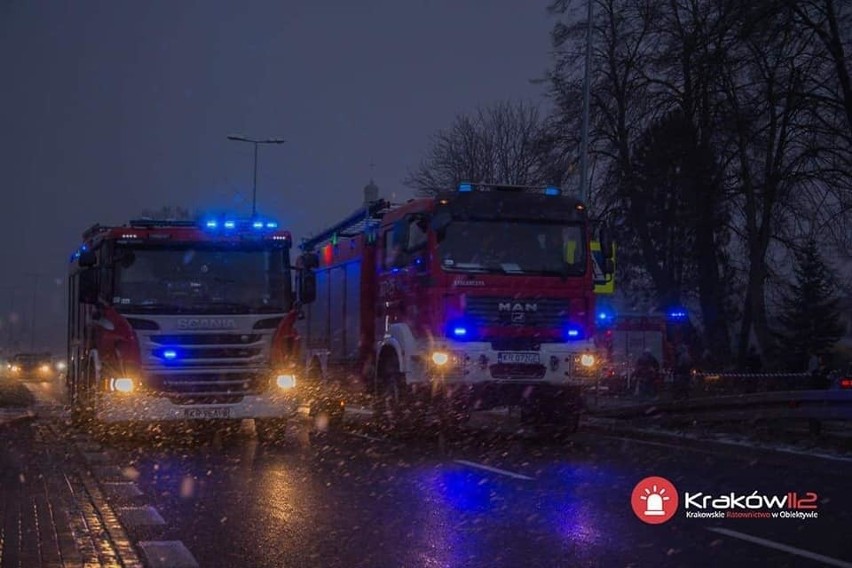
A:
{"x":178,"y":320}
{"x":474,"y":299}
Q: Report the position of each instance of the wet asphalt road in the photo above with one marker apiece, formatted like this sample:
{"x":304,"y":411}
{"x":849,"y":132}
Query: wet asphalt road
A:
{"x":339,"y":499}
{"x":355,"y":497}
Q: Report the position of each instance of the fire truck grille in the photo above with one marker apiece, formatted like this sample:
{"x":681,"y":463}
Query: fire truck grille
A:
{"x":206,"y":350}
{"x":207,"y":339}
{"x":539,"y":312}
{"x":207,"y":388}
{"x":206,"y":367}
{"x":517,"y":371}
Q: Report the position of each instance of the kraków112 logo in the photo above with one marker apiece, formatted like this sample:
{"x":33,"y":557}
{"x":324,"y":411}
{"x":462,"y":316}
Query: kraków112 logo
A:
{"x":654,"y":500}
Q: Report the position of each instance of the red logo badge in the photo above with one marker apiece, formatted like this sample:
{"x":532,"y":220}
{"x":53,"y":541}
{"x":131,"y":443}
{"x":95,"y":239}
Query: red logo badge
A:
{"x":654,"y":500}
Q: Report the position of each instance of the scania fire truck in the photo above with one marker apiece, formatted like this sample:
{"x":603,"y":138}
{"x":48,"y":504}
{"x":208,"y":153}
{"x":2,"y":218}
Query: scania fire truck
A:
{"x":182,"y":320}
{"x":468,"y":300}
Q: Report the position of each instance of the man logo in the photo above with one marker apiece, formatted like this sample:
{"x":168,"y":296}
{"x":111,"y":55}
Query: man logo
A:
{"x":654,"y":500}
{"x":517,"y":307}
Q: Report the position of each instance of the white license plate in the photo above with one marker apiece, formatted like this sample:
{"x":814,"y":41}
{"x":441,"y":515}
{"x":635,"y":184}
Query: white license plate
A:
{"x":202,"y":413}
{"x":519,"y":358}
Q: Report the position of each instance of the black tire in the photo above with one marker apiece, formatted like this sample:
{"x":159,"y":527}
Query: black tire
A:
{"x":393,"y":404}
{"x":326,"y":398}
{"x":83,"y":400}
{"x":270,"y":430}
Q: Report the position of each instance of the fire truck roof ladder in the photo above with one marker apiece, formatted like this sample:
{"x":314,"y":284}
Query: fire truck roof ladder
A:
{"x":351,"y":226}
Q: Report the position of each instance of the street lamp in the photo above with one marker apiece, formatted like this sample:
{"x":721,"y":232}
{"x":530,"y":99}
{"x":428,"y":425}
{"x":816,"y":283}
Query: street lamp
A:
{"x":35,"y":277}
{"x":254,"y":182}
{"x":585,"y":189}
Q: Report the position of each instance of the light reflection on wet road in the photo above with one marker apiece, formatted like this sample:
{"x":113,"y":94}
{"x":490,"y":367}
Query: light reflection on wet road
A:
{"x":341,"y":500}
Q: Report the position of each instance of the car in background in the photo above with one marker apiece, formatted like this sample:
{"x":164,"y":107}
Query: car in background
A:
{"x":32,"y":367}
{"x":841,"y":378}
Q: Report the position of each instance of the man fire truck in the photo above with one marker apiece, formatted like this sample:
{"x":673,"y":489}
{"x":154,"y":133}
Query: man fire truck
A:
{"x":479,"y":298}
{"x":178,"y":320}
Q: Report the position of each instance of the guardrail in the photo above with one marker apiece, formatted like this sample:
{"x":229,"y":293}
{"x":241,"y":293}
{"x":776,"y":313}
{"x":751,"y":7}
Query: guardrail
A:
{"x":818,"y":405}
{"x":815,"y":407}
{"x":753,"y":382}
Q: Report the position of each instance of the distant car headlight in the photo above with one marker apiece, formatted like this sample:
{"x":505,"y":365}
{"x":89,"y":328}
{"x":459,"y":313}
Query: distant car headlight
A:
{"x":15,"y":369}
{"x":587,"y":360}
{"x":61,"y":366}
{"x":44,"y":368}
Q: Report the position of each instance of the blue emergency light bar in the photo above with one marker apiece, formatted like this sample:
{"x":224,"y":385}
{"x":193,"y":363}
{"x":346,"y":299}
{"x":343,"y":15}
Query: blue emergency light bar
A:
{"x":231,"y":224}
{"x":467,"y":187}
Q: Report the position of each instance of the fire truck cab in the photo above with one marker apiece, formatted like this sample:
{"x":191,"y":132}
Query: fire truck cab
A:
{"x":182,"y":320}
{"x":477,"y":298}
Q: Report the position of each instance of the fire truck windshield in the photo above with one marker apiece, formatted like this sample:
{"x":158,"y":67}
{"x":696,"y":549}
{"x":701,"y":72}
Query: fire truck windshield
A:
{"x":201,"y":279}
{"x":514,"y":247}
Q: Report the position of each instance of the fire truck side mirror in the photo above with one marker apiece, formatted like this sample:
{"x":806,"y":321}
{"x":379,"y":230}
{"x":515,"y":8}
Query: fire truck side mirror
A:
{"x":307,"y":286}
{"x":441,"y":221}
{"x":87,"y":259}
{"x":310,"y":260}
{"x":88,"y":286}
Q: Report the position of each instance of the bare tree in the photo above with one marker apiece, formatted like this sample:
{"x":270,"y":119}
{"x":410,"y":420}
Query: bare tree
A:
{"x":509,"y":142}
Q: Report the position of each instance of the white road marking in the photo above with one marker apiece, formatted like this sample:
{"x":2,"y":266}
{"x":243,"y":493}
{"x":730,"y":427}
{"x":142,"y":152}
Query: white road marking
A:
{"x":495,"y":470}
{"x":783,"y":547}
{"x":121,"y":489}
{"x":140,"y":516}
{"x":730,"y":443}
{"x":364,"y":436}
{"x":358,"y":410}
{"x":167,"y":554}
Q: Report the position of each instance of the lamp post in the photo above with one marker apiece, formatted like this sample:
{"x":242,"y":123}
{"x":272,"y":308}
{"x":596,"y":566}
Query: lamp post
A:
{"x":35,"y":277}
{"x":585,"y":189}
{"x":256,"y":143}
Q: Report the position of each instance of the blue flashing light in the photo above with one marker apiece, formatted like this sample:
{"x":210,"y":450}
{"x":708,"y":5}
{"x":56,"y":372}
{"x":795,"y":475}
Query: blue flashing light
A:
{"x":461,"y":329}
{"x":211,"y":224}
{"x":169,"y":354}
{"x":677,"y":314}
{"x":257,"y":224}
{"x":230,"y":224}
{"x":271,"y":225}
{"x":573,"y":332}
{"x":465,"y":187}
{"x":551,"y":190}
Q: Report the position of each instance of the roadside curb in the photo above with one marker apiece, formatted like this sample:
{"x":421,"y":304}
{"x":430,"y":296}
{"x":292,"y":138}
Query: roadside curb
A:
{"x":730,"y":447}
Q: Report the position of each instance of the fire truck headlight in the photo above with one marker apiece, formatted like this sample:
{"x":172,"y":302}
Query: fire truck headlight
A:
{"x":285,"y":381}
{"x":440,"y":358}
{"x":587,"y":360}
{"x":121,"y":384}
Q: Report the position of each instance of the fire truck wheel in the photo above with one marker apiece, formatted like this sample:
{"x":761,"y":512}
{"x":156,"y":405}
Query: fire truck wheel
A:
{"x":82,"y":399}
{"x":270,"y":430}
{"x":392,"y":405}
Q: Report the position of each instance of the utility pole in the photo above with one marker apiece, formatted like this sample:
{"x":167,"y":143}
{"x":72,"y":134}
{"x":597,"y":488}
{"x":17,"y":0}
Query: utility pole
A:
{"x":256,"y":143}
{"x":35,"y":278}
